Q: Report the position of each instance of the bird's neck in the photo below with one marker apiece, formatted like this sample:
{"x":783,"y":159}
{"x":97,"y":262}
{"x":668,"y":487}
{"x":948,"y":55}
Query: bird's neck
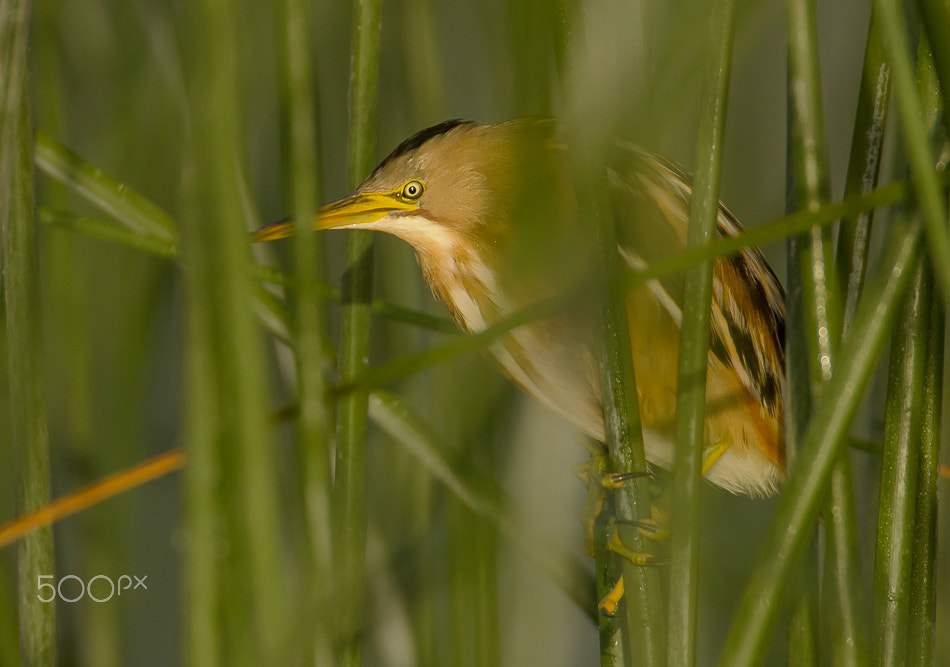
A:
{"x":462,"y":279}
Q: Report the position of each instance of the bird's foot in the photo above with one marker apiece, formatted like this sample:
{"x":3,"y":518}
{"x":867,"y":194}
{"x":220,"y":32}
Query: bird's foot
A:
{"x":651,"y":528}
{"x":647,"y":528}
{"x":600,"y":484}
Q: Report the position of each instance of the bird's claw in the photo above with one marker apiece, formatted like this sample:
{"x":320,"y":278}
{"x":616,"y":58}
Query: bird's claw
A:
{"x":639,"y":558}
{"x":652,"y":529}
{"x":609,"y":603}
{"x":600,"y":484}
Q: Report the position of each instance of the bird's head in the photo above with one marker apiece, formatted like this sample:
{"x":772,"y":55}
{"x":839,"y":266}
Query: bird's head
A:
{"x":458,"y":183}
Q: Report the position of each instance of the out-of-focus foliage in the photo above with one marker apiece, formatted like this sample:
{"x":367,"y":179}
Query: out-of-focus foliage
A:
{"x":110,"y":80}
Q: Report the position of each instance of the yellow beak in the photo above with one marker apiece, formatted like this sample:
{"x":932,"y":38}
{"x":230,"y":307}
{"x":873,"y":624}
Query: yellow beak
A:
{"x":356,"y":209}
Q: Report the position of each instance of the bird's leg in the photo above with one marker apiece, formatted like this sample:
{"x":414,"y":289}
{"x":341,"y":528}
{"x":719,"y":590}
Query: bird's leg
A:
{"x":600,"y":484}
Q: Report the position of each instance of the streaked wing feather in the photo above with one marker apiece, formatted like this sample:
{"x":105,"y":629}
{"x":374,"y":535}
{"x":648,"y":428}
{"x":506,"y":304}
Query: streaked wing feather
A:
{"x":651,"y":203}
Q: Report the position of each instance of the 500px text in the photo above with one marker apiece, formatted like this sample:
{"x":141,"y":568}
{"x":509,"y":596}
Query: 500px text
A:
{"x":76,"y":589}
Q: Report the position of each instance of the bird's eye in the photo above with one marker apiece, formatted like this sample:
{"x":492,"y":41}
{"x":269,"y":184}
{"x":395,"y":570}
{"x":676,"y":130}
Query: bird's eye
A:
{"x":412,"y":190}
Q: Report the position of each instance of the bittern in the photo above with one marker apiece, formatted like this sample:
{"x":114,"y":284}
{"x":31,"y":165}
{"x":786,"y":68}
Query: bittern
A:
{"x":492,"y":215}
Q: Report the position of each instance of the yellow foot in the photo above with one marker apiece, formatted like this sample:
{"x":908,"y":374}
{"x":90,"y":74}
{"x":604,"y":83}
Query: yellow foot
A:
{"x":653,"y":529}
{"x":640,"y":558}
{"x":600,"y":484}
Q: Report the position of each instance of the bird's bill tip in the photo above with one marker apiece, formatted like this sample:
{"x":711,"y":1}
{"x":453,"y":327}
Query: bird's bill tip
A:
{"x":275,"y":230}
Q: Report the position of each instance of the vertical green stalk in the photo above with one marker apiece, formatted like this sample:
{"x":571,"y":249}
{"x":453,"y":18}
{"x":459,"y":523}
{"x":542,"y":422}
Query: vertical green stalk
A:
{"x":28,"y":416}
{"x":202,"y":497}
{"x":932,"y":203}
{"x":642,"y":629}
{"x":935,"y":18}
{"x":694,"y":348}
{"x":923,"y":589}
{"x":349,"y":536}
{"x":894,"y":557}
{"x":257,"y":589}
{"x":811,"y":191}
{"x":864,"y":165}
{"x":813,"y":319}
{"x":313,"y":444}
{"x":842,"y":600}
{"x":842,"y":609}
{"x":639,"y":639}
{"x":824,"y":439}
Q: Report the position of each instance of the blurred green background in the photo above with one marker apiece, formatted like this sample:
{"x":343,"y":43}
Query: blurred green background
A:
{"x":108,"y":80}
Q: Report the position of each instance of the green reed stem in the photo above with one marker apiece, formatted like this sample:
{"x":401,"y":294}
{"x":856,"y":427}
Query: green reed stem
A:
{"x":923,"y":585}
{"x":843,"y":601}
{"x":642,"y":629}
{"x":28,"y":409}
{"x":915,"y":130}
{"x":638,"y":636}
{"x":349,"y":535}
{"x":110,"y":195}
{"x":864,"y":166}
{"x":694,"y":348}
{"x":313,"y":446}
{"x":811,"y":292}
{"x":903,"y":426}
{"x":203,"y":500}
{"x":248,"y":476}
{"x":935,"y":19}
{"x":819,"y":289}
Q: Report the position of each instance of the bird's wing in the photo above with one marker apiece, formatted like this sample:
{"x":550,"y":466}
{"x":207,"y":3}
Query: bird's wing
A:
{"x":745,"y":383}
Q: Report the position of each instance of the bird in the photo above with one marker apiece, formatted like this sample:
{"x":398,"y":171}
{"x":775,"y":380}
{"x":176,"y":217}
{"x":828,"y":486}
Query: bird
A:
{"x":494,"y":219}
